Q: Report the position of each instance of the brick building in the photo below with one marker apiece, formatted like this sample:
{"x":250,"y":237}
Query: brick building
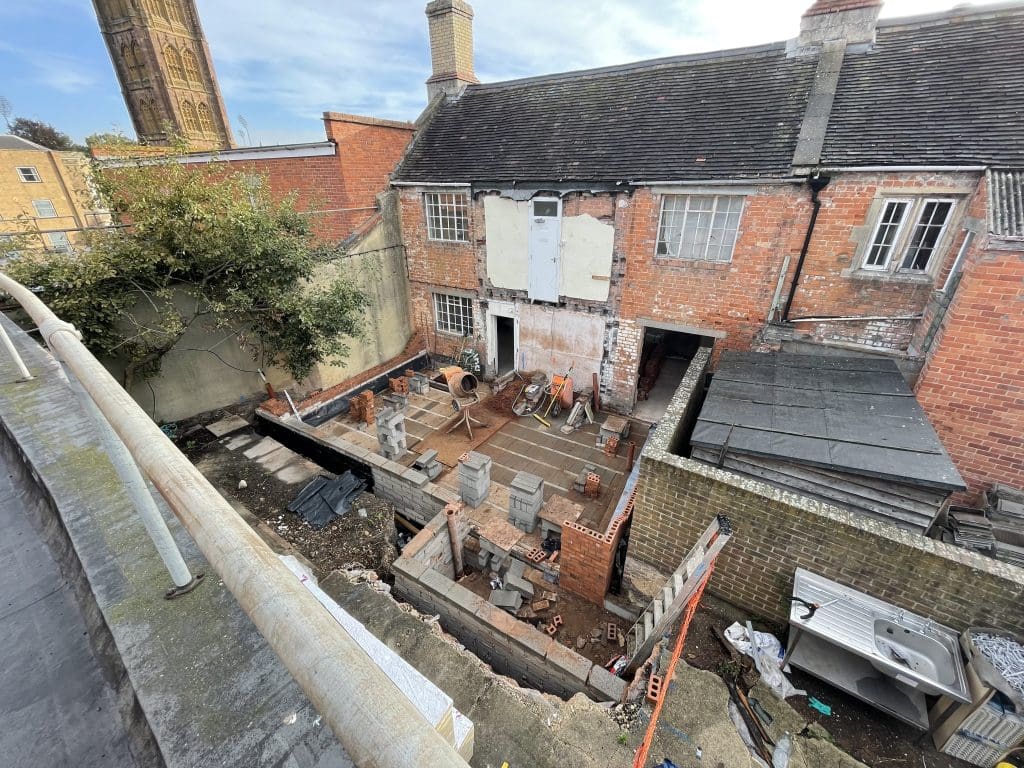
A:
{"x":336,"y":181}
{"x":829,"y":190}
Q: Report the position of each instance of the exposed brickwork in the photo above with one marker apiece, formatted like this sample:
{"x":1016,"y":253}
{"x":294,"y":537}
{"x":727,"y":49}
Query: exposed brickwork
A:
{"x":279,"y":406}
{"x":775,"y":532}
{"x":972,"y":387}
{"x":588,"y":557}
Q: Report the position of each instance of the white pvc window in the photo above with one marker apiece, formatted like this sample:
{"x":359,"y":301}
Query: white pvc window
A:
{"x":58,"y":241}
{"x":447,"y":216}
{"x":699,"y":227}
{"x":886,"y":234}
{"x":907,"y":234}
{"x":44,"y":209}
{"x":28,"y":173}
{"x":453,"y":314}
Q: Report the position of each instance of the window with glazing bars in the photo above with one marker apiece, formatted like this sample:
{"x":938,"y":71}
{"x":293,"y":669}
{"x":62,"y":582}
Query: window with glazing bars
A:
{"x":44,"y":209}
{"x":453,"y":314}
{"x":28,"y":173}
{"x":700,"y":227}
{"x":446,"y":216}
{"x":893,"y":248}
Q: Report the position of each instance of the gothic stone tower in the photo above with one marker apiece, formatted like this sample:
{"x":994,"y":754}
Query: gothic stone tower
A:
{"x":166,"y":73}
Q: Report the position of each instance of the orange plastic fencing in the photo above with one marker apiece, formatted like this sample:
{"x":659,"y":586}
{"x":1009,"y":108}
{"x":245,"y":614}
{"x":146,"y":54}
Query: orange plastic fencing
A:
{"x":677,"y":651}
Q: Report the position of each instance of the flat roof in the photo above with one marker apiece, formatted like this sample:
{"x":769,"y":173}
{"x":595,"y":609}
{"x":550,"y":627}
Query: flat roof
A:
{"x":851,"y":414}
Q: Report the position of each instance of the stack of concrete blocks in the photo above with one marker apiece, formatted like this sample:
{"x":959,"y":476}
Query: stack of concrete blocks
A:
{"x":397,"y":400}
{"x":391,"y":433}
{"x":580,"y":483}
{"x":474,"y":478}
{"x":429,"y":464}
{"x":614,"y":426}
{"x":419,"y":384}
{"x":525,"y":498}
{"x":493,"y":556}
{"x":515,"y":578}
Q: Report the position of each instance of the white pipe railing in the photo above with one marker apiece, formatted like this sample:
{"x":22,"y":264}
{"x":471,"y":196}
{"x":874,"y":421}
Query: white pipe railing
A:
{"x":374,"y":721}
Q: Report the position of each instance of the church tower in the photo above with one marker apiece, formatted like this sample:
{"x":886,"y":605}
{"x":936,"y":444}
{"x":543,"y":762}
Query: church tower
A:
{"x":166,"y":73}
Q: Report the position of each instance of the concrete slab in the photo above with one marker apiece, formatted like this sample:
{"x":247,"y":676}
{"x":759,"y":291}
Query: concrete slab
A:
{"x":238,"y":441}
{"x":56,"y":706}
{"x":262,"y":448}
{"x":227,"y":425}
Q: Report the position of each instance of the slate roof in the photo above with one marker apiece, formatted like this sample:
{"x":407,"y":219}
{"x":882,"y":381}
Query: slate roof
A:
{"x":948,"y":92}
{"x":721,"y":116}
{"x":853,"y":414}
{"x":9,"y":141}
{"x":945,"y":89}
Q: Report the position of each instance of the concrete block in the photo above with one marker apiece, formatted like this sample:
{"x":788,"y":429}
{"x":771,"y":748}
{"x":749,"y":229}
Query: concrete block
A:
{"x":418,"y":479}
{"x":407,"y":566}
{"x":508,"y":599}
{"x":463,"y":599}
{"x":534,"y":642}
{"x":436,"y":582}
{"x":570,"y":662}
{"x":606,"y":685}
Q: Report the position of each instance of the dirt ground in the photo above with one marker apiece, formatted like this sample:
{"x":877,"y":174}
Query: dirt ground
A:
{"x":582,"y":620}
{"x":857,"y":728}
{"x":365,"y":538}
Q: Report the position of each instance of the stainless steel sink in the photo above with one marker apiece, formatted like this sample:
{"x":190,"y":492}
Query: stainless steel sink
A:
{"x":913,"y":650}
{"x":917,"y":652}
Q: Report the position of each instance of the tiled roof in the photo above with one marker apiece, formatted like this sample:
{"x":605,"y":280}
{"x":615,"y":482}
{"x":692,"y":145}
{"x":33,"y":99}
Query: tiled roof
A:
{"x":10,"y":141}
{"x":950,"y":92}
{"x":943,"y":90}
{"x":702,"y":116}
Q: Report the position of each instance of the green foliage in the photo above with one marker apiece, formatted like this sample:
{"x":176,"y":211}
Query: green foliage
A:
{"x":41,"y":133}
{"x":108,"y":139}
{"x":199,"y":247}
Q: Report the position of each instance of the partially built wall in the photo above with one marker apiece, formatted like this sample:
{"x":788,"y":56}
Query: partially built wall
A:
{"x":777,"y":531}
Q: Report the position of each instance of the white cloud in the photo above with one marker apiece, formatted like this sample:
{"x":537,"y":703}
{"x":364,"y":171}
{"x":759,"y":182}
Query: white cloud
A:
{"x":373,"y":58}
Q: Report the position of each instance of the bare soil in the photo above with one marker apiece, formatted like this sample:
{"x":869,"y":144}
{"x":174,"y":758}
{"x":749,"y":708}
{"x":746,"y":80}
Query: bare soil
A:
{"x":582,"y":620}
{"x":857,"y":728}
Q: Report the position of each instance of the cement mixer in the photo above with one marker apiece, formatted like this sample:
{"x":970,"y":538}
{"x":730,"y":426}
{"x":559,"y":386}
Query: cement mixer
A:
{"x":461,"y":384}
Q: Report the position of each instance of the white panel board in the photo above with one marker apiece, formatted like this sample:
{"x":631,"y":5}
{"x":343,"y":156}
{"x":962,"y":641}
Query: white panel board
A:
{"x":507,"y":242}
{"x":550,"y":339}
{"x":587,"y":245}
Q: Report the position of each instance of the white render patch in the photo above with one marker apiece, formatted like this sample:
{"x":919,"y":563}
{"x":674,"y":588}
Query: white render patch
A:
{"x":508,"y":258}
{"x":550,"y":339}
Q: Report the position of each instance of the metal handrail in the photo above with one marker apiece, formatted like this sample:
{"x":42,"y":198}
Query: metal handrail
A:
{"x":374,"y":721}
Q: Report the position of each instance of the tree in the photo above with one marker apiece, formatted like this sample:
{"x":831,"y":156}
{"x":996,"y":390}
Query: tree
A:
{"x":41,"y":133}
{"x":199,"y":248}
{"x":109,"y":138}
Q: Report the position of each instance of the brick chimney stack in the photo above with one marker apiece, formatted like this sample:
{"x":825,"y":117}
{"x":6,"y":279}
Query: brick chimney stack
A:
{"x":451,"y":47}
{"x":852,"y":21}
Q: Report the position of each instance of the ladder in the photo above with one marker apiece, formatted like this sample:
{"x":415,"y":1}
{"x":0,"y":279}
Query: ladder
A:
{"x":666,"y":607}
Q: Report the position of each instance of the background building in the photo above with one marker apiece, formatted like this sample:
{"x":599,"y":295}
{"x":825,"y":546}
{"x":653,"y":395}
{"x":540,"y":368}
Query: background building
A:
{"x":166,"y":73}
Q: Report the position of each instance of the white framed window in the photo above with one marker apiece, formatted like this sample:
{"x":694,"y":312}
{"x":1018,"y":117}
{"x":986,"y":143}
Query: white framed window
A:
{"x":28,"y":173}
{"x":447,"y":216}
{"x":908,"y":233}
{"x":453,"y":314}
{"x":58,"y":241}
{"x":699,"y":227}
{"x":44,"y":209}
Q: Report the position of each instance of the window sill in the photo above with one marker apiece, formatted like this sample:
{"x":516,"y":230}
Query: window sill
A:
{"x":447,"y":242}
{"x":712,"y":266}
{"x":453,"y":334}
{"x":885,"y":276}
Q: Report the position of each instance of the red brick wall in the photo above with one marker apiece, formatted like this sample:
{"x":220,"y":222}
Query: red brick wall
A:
{"x":972,"y":386}
{"x":587,"y":558}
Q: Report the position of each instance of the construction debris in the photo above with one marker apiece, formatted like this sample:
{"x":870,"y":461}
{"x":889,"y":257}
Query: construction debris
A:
{"x":324,"y":499}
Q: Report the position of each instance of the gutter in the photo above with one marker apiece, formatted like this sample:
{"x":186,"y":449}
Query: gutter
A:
{"x":852,"y":318}
{"x":902,"y":168}
{"x":816,"y":183}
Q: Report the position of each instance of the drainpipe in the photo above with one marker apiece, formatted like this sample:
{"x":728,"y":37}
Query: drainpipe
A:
{"x":816,"y":183}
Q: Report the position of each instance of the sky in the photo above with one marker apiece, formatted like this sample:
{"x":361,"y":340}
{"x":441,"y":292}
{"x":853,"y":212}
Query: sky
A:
{"x":282,"y":63}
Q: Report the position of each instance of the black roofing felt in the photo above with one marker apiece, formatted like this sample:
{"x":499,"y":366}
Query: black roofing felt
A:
{"x":947,"y":92}
{"x":851,"y":414}
{"x":692,"y":117}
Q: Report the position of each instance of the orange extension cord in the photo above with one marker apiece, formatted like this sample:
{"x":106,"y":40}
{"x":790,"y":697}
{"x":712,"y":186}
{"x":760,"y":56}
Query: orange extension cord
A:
{"x":691,"y":608}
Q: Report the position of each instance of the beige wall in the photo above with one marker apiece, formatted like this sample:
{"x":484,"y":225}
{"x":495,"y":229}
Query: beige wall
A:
{"x":192,"y":382}
{"x":63,"y":181}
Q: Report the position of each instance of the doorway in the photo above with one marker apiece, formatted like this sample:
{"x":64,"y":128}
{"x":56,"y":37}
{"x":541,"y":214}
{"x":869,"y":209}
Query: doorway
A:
{"x":664,"y":358}
{"x":505,"y":339}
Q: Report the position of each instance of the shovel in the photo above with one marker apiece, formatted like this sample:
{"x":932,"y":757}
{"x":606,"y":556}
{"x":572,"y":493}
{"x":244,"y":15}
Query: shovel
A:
{"x":554,"y":399}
